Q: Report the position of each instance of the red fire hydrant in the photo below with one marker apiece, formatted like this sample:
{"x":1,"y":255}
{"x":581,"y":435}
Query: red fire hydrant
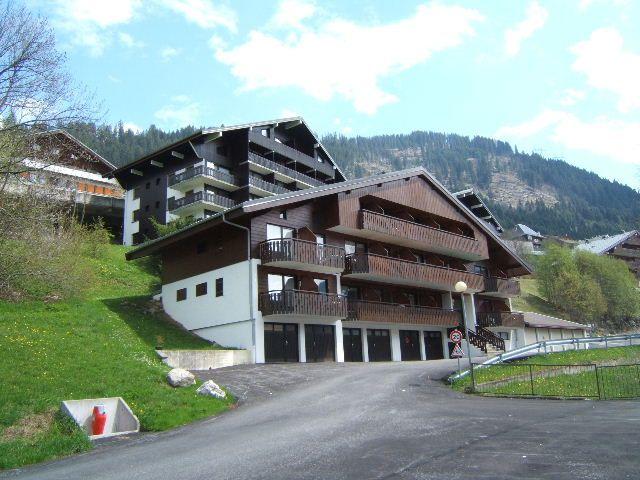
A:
{"x":99,"y":419}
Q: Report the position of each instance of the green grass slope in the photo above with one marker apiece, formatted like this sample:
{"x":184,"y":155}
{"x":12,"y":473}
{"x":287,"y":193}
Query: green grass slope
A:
{"x":530,"y":299}
{"x":98,"y":346}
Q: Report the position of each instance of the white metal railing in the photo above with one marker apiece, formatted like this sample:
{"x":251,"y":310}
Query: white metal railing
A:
{"x":545,"y":345}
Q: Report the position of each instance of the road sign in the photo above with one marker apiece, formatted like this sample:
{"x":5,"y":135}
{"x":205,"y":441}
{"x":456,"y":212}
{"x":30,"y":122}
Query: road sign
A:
{"x":457,"y":351}
{"x":455,"y":336}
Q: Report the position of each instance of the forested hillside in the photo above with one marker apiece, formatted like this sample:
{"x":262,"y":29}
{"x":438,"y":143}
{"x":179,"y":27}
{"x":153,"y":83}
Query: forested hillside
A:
{"x":548,"y":195}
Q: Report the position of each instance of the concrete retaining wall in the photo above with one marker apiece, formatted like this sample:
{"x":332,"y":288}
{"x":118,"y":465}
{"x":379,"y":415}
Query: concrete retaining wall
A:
{"x":204,"y":359}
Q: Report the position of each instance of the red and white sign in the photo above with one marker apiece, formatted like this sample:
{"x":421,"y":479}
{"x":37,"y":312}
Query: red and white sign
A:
{"x":455,"y":336}
{"x":457,"y":351}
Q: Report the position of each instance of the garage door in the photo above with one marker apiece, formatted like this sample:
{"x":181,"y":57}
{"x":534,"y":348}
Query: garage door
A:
{"x":433,"y":345}
{"x":280,"y":342}
{"x":352,"y":343}
{"x":410,"y":344}
{"x":379,"y":345}
{"x":320,"y":343}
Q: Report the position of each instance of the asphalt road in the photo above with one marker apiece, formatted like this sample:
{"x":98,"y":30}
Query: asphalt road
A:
{"x":379,"y":421}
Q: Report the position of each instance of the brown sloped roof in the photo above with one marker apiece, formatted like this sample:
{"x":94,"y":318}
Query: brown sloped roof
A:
{"x":538,"y":320}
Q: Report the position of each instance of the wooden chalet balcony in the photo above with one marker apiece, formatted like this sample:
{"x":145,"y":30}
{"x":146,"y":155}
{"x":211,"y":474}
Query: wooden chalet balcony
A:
{"x":378,"y":268}
{"x":302,"y":255}
{"x":500,"y":319}
{"x":501,"y":287}
{"x":291,"y":153}
{"x":365,"y":311}
{"x":259,"y":186}
{"x":206,"y":199}
{"x":298,"y":302}
{"x":626,"y":252}
{"x":394,"y":230}
{"x":282,"y":173}
{"x":195,"y":176}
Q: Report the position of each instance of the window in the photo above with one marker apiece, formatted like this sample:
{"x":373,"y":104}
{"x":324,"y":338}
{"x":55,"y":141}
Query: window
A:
{"x":147,"y":186}
{"x":158,"y":181}
{"x":201,"y":247}
{"x":283,"y":215}
{"x":280,"y":282}
{"x":354,"y":247}
{"x":219,"y":287}
{"x":222,"y":151}
{"x":275,"y":232}
{"x":320,"y":239}
{"x":322,"y":285}
{"x":134,"y":215}
{"x":264,"y":132}
{"x":480,"y":269}
{"x":504,"y":335}
{"x":181,"y":294}
{"x":352,"y":293}
{"x":201,"y":289}
{"x":420,"y":258}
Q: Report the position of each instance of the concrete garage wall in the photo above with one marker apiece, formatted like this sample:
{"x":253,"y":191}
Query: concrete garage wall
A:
{"x":204,"y":359}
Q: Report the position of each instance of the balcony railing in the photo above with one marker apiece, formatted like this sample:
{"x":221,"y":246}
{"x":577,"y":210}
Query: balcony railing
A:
{"x":291,"y":153}
{"x":267,"y":186}
{"x":207,"y":197}
{"x":395,"y":270}
{"x":503,"y":286}
{"x":206,"y":172}
{"x":298,"y":302}
{"x":294,"y":250}
{"x":500,"y":319}
{"x":289,"y":172}
{"x":428,"y":238}
{"x":365,"y":311}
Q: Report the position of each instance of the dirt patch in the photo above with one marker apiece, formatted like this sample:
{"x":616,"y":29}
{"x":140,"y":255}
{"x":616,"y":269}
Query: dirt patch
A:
{"x":29,"y":427}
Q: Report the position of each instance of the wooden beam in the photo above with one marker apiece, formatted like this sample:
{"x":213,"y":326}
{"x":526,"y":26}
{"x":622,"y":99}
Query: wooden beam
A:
{"x":155,"y":163}
{"x":212,"y":136}
{"x":136,"y":172}
{"x":293,"y":124}
{"x":177,"y":154}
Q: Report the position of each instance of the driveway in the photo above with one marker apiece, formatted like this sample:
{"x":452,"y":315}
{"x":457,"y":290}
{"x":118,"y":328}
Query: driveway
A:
{"x":380,"y":421}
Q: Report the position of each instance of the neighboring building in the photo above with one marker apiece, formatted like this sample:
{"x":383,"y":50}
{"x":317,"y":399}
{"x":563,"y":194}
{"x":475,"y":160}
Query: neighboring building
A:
{"x":525,"y":240}
{"x":216,"y":169}
{"x":473,"y":202}
{"x":536,"y":328}
{"x":360,"y":270}
{"x":66,"y":170}
{"x":624,"y":246}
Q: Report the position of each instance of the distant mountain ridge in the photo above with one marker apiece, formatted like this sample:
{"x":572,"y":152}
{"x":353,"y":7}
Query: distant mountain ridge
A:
{"x":551,"y":196}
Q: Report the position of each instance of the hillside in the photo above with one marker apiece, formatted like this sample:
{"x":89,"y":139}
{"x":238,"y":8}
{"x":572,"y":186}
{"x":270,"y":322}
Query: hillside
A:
{"x":549,"y":195}
{"x":98,"y":346}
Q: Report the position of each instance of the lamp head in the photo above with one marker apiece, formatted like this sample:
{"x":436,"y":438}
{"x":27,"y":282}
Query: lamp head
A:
{"x":461,"y":287}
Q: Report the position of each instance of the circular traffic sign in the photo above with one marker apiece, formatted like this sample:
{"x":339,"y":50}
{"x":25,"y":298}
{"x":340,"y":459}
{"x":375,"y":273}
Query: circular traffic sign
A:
{"x":455,"y":336}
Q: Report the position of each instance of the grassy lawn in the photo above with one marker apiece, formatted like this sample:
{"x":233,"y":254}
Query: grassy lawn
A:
{"x":530,"y":299}
{"x":99,"y":346}
{"x":514,"y":378}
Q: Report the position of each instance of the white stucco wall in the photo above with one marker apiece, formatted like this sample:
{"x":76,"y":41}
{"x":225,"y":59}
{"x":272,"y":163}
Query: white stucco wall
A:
{"x":129,"y":226}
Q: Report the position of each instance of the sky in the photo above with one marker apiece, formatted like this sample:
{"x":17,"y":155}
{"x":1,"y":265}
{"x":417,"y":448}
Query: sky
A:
{"x":560,"y":78}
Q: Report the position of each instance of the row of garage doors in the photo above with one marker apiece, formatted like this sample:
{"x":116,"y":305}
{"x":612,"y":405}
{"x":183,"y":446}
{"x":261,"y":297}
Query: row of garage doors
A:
{"x":281,"y":343}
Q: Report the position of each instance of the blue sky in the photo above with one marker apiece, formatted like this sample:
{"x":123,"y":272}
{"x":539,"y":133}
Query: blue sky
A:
{"x":561,"y":78}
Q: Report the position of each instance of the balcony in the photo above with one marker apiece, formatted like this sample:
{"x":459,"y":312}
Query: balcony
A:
{"x":378,"y":268}
{"x":302,"y":255}
{"x":191,"y":203}
{"x":301,"y":303}
{"x":259,"y":186}
{"x":500,"y":319}
{"x":501,"y":287}
{"x":291,"y":153}
{"x":364,"y":311}
{"x":197,"y":176}
{"x":385,"y":228}
{"x":285,"y":174}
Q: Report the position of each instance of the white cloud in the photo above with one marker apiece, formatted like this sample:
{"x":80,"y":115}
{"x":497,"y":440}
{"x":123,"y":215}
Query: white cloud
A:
{"x":291,"y":13}
{"x":342,"y":58}
{"x":204,"y":13}
{"x":617,"y":3}
{"x":114,"y":79}
{"x":610,"y":138}
{"x":608,"y":66}
{"x":571,"y":96}
{"x":536,"y":18}
{"x":128,"y":41}
{"x":87,"y":21}
{"x":180,"y":112}
{"x":287,"y":113}
{"x":168,"y":53}
{"x":132,"y":126}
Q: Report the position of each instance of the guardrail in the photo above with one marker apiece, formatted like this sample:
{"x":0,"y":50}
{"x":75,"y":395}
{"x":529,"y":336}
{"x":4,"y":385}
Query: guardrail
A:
{"x":546,"y":345}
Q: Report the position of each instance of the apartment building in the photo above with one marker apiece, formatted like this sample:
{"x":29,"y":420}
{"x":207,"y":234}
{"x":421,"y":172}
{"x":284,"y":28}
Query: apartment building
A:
{"x":217,"y":169}
{"x":623,"y":246}
{"x":359,"y":270}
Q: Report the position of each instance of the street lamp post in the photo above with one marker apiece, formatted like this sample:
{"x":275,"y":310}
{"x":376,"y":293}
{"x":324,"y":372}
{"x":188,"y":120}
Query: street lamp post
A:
{"x":460,"y":288}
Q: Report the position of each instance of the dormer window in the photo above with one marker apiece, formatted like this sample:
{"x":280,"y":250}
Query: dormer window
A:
{"x":265,"y":132}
